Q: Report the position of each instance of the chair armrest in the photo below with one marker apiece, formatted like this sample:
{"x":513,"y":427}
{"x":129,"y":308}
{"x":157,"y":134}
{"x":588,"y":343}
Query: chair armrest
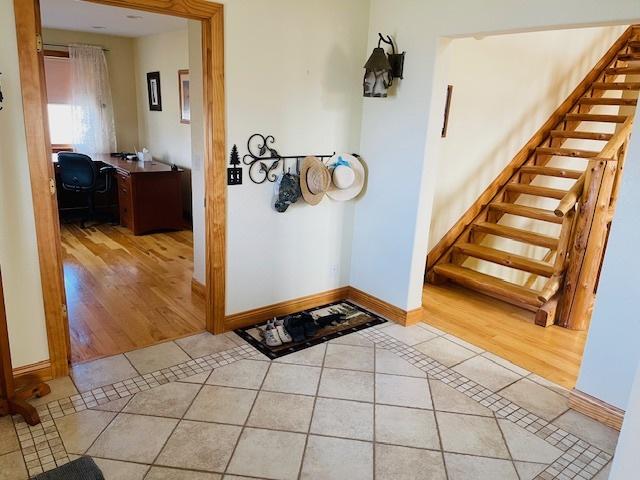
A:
{"x":106,"y":171}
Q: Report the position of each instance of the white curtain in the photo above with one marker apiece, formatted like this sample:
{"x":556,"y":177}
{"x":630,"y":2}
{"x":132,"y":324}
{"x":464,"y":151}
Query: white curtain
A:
{"x":92,"y":108}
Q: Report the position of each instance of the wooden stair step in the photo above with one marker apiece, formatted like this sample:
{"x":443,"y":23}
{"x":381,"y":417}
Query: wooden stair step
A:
{"x":524,"y":211}
{"x":507,"y":259}
{"x":551,"y":171}
{"x":622,"y":70}
{"x":518,"y":234}
{"x":629,"y":102}
{"x":566,"y":152}
{"x":628,"y":57}
{"x":590,"y":117}
{"x":634,"y":43}
{"x":616,"y":86}
{"x":489,"y":285}
{"x":536,"y":190}
{"x":581,"y":135}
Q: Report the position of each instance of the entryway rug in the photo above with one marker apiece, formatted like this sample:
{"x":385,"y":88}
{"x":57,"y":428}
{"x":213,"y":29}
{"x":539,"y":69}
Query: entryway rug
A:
{"x":355,"y":318}
{"x":83,"y":468}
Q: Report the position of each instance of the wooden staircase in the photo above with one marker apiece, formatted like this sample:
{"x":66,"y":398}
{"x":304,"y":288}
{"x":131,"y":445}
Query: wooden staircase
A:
{"x":569,"y":268}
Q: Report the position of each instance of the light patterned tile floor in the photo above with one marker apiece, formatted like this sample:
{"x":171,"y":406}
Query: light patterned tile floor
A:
{"x":371,"y":405}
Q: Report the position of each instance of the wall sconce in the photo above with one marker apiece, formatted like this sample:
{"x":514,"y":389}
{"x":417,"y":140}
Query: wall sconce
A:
{"x":381,"y":69}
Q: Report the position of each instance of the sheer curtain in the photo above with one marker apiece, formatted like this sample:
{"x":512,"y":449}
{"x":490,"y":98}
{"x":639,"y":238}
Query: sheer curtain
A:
{"x":92,"y":108}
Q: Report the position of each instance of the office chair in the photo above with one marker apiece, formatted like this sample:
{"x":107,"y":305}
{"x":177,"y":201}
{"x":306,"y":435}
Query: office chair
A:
{"x":80,"y":174}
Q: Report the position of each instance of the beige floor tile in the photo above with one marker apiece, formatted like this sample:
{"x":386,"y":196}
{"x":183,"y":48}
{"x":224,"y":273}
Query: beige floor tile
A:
{"x":200,"y":446}
{"x":410,"y":335}
{"x":445,"y":351}
{"x":352,"y":339}
{"x":113,"y":405}
{"x":402,"y":463}
{"x":536,"y":398}
{"x":346,"y":384}
{"x":79,"y":430}
{"x":525,"y":446}
{"x":198,"y":378}
{"x":486,"y":373}
{"x":163,"y":473}
{"x":406,"y":426}
{"x":268,"y":454}
{"x":117,"y":470}
{"x":205,"y":344}
{"x":168,"y":400}
{"x":403,"y":391}
{"x":389,"y":362}
{"x":287,"y":378}
{"x":472,"y":435}
{"x":312,"y":356}
{"x":282,"y":411}
{"x":448,"y":399}
{"x":134,"y":438}
{"x":506,"y":364}
{"x":8,"y":437}
{"x":241,"y":374}
{"x":604,"y":473}
{"x":462,"y":343}
{"x":349,"y":357}
{"x":62,"y":387}
{"x":337,"y":458}
{"x":431,"y":328}
{"x":104,"y":371}
{"x":222,"y":404}
{"x":529,"y":471}
{"x":343,"y":418}
{"x":559,"y":389}
{"x":464,"y":467}
{"x":587,"y":429}
{"x":157,"y":357}
{"x":12,"y":467}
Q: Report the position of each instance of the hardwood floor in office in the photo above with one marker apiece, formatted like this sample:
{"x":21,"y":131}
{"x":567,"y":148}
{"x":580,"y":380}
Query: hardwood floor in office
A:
{"x":125,"y":292}
{"x":554,"y":353}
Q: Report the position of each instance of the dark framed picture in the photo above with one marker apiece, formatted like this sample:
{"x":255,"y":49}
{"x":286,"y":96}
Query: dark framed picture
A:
{"x":185,"y":99}
{"x":153,"y":89}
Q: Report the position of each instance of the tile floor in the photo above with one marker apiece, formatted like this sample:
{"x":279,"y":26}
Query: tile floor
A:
{"x":385,"y":403}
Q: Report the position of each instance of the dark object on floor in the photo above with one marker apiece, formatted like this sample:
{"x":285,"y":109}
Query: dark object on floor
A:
{"x":84,"y":468}
{"x":314,"y":326}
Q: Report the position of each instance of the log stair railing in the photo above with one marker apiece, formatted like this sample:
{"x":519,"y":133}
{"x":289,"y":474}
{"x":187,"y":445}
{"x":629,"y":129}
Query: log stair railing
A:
{"x":571,"y":264}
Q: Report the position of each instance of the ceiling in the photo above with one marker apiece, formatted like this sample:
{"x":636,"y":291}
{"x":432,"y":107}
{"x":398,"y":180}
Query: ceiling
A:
{"x":84,"y":16}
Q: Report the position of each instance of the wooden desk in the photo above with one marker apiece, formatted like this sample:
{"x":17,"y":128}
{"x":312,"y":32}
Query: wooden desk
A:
{"x":149,"y":194}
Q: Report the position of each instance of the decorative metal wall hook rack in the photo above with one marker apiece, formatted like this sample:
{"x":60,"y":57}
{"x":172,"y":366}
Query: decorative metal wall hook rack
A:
{"x":264,"y":161}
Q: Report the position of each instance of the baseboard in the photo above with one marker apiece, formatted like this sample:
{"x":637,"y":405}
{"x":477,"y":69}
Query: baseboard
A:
{"x":398,"y":315}
{"x":28,"y":375}
{"x":596,"y":409}
{"x":198,"y":288}
{"x":249,"y":317}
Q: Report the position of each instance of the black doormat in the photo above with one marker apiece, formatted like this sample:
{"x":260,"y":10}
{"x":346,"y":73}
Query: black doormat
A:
{"x":355,"y":318}
{"x":83,"y":468}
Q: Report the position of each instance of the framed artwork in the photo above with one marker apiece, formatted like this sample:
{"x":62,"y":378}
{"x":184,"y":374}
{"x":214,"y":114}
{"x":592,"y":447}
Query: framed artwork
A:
{"x":185,"y":99}
{"x":153,"y":89}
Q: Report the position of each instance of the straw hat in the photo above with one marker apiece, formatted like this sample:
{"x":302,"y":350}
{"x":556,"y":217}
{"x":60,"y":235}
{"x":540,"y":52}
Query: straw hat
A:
{"x":347,"y":177}
{"x":314,"y":180}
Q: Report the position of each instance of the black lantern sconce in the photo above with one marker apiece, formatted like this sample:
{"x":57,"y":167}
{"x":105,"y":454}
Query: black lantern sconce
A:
{"x":381,"y":69}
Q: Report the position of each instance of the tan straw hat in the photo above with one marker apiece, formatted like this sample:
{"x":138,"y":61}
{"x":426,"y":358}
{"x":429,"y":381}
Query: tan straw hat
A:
{"x":347,"y":177}
{"x":314,"y":180}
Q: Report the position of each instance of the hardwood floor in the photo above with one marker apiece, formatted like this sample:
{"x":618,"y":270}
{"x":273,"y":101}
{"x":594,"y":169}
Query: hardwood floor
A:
{"x":125,"y":292}
{"x":554,"y":353}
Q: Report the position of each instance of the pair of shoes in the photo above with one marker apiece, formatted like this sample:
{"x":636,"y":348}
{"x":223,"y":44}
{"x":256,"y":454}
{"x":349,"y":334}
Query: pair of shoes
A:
{"x":274,"y":333}
{"x":332,"y":319}
{"x":301,"y":326}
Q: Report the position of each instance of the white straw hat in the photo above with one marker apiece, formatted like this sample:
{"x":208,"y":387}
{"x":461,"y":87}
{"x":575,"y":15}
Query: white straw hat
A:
{"x":347,"y":176}
{"x":314,"y":180}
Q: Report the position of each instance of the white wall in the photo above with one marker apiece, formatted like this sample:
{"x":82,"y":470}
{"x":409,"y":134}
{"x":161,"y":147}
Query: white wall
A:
{"x":626,"y":463}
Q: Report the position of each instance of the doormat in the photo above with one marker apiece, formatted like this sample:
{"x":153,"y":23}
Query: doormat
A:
{"x":329,"y":321}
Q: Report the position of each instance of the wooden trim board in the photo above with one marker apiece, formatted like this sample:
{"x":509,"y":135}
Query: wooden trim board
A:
{"x":198,"y":288}
{"x":28,"y":375}
{"x":398,"y":315}
{"x":31,"y":63}
{"x":596,"y":409}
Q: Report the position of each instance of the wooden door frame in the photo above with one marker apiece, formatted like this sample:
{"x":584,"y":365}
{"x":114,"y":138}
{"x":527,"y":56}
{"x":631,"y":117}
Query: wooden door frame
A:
{"x":27,"y":18}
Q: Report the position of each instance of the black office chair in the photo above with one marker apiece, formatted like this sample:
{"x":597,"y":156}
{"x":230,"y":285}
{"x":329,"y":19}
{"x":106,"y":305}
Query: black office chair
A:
{"x":80,"y":174}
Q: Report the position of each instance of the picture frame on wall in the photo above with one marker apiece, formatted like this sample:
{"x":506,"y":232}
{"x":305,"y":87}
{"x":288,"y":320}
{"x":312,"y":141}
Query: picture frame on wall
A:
{"x":154,"y":92}
{"x":185,"y":97}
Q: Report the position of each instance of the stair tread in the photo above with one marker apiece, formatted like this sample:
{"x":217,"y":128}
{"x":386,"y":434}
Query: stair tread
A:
{"x":616,"y":86}
{"x":507,"y":259}
{"x":488,"y":284}
{"x":524,"y":211}
{"x":581,"y":135}
{"x":607,"y":101}
{"x":629,"y":56}
{"x":551,"y":171}
{"x":518,"y":234}
{"x":536,"y":190}
{"x":622,"y":70}
{"x":567,"y":152}
{"x":591,"y":117}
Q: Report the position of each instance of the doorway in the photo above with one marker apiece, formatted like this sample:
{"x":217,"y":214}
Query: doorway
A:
{"x":45,"y":195}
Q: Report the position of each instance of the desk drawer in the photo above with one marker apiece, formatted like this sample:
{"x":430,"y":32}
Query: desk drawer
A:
{"x":124,"y":199}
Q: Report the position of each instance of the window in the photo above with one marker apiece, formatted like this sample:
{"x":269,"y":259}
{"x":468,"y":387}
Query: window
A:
{"x":60,"y":124}
{"x":58,"y":81}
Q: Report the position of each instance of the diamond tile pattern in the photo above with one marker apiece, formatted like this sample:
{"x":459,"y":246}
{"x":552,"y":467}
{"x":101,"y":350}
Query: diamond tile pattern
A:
{"x":372,"y":403}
